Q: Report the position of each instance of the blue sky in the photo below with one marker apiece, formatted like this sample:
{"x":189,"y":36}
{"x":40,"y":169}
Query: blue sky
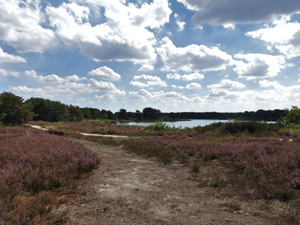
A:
{"x":177,"y":55}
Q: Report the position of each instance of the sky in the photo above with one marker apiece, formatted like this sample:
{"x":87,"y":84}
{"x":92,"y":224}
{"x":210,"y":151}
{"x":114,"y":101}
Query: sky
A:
{"x":176,"y":55}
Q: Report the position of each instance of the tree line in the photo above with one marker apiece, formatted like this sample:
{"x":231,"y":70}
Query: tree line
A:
{"x":14,"y":110}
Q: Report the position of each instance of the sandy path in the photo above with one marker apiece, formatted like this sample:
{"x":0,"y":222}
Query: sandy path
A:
{"x":128,"y":189}
{"x":84,"y":134}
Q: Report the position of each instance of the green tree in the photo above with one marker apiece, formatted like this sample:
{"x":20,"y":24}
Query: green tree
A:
{"x":13,"y":110}
{"x":292,"y":116}
{"x":75,"y":113}
{"x":151,"y":114}
{"x":123,"y":115}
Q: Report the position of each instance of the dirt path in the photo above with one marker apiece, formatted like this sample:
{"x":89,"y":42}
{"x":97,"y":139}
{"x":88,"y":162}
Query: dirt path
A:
{"x":128,"y":189}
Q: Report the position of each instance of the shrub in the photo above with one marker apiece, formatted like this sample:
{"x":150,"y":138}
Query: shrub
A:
{"x":33,"y":162}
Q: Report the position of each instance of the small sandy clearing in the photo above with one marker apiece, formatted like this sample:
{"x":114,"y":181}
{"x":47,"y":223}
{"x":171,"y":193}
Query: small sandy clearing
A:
{"x":128,"y":189}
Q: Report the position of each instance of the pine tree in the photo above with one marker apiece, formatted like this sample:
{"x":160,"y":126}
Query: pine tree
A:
{"x":13,"y":110}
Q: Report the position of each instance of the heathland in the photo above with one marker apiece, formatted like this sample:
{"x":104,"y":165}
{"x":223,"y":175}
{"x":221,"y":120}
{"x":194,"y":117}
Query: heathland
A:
{"x":241,"y":172}
{"x":247,"y":161}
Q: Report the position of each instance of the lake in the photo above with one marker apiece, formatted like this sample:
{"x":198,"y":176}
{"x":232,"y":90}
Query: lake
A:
{"x":178,"y":124}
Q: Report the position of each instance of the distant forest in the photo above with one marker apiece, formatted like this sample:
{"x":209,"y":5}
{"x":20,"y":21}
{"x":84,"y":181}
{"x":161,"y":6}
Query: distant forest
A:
{"x":54,"y":111}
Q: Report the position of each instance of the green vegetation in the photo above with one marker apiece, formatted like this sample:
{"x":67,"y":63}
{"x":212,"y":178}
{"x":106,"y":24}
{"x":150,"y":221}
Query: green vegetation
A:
{"x":292,"y":116}
{"x":242,"y":127}
{"x":262,"y":159}
{"x":55,"y":111}
{"x":13,"y":110}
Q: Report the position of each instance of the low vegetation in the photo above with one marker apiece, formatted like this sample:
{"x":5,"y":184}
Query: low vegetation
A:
{"x":36,"y":170}
{"x":36,"y":167}
{"x":263,"y":159}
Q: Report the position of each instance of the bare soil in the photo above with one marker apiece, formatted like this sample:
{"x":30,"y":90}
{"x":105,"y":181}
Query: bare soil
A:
{"x":129,"y":189}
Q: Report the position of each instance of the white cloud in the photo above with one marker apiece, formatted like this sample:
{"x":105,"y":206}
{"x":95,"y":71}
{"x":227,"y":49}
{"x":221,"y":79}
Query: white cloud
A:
{"x":52,"y":79}
{"x":192,"y":86}
{"x":268,"y":84}
{"x":235,"y":12}
{"x":190,"y":4}
{"x":185,"y":77}
{"x":283,"y":36}
{"x":174,"y":76}
{"x":31,"y":73}
{"x":227,"y":85}
{"x":179,"y":23}
{"x":105,"y":98}
{"x":159,"y":96}
{"x":105,"y":73}
{"x":3,"y":73}
{"x":21,"y":26}
{"x":192,"y":57}
{"x":73,"y":85}
{"x":144,"y":80}
{"x":73,"y":78}
{"x":116,"y":37}
{"x":5,"y":57}
{"x":146,"y":67}
{"x":152,"y":15}
{"x":30,"y":92}
{"x":259,"y":65}
{"x":193,"y":76}
{"x":178,"y":87}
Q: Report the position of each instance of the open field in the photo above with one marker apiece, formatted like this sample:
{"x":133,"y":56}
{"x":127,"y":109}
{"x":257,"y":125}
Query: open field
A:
{"x":255,"y":165}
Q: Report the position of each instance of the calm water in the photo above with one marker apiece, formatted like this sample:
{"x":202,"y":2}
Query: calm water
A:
{"x":182,"y":124}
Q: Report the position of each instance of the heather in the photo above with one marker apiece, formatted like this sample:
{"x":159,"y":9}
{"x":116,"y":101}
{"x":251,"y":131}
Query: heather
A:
{"x":264,"y":158}
{"x":34,"y":168}
{"x":267,"y":167}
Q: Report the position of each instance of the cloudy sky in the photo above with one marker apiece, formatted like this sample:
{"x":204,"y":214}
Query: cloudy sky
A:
{"x":176,"y":55}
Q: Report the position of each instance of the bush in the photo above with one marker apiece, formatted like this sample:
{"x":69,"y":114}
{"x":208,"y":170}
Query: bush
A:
{"x":241,"y":127}
{"x":33,"y":162}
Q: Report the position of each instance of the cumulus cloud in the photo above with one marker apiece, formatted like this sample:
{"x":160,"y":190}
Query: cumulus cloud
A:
{"x":192,"y":86}
{"x":105,"y":98}
{"x":152,"y":15}
{"x":144,"y":80}
{"x":115,"y":38}
{"x":192,"y":57}
{"x":3,"y":73}
{"x":179,"y":23}
{"x":5,"y":57}
{"x":74,"y":78}
{"x":268,"y":84}
{"x":235,"y":12}
{"x":227,"y":85}
{"x":185,"y":77}
{"x":284,"y":36}
{"x":174,"y":76}
{"x":73,"y":85}
{"x":146,"y":67}
{"x":30,"y":92}
{"x":259,"y":65}
{"x":159,"y":96}
{"x":53,"y":78}
{"x":105,"y":73}
{"x":21,"y":26}
{"x":178,"y":87}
